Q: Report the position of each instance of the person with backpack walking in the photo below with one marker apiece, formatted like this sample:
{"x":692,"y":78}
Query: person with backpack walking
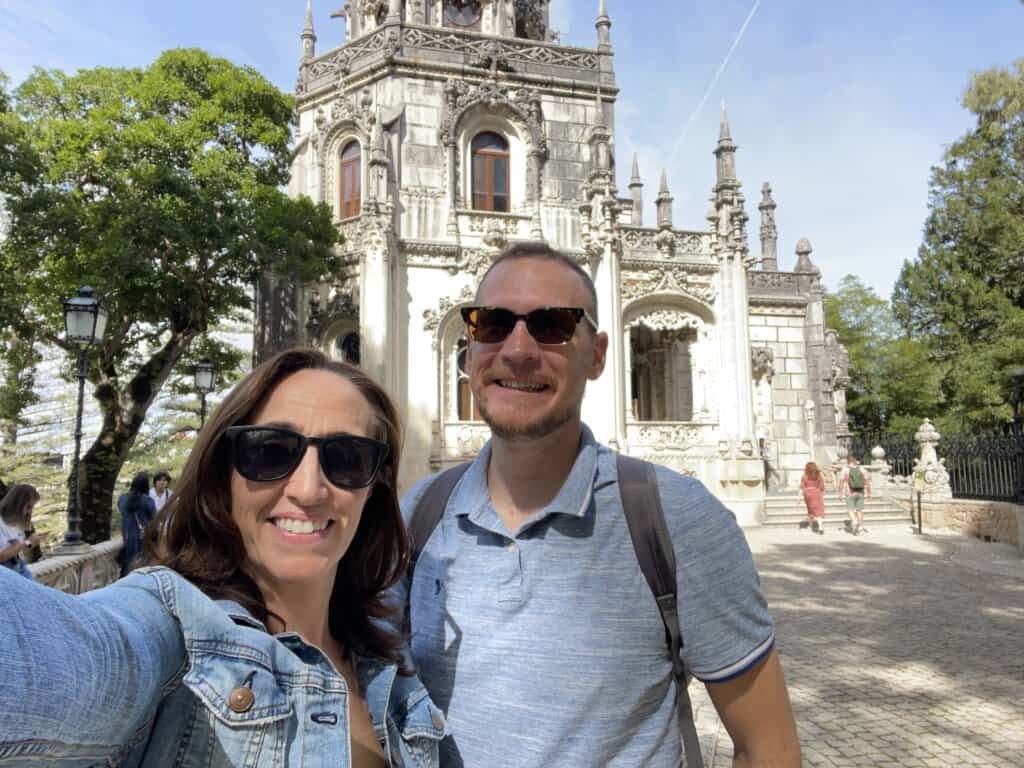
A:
{"x":531,"y":596}
{"x":854,"y":488}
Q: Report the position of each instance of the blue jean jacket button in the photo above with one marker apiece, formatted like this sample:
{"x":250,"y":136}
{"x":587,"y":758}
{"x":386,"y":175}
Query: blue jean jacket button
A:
{"x":241,"y":700}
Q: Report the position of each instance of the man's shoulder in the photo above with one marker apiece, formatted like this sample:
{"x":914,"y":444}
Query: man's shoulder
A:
{"x":411,"y":499}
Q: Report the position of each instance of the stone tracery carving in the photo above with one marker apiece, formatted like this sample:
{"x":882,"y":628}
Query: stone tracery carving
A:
{"x":432,"y":317}
{"x":762,"y":360}
{"x":531,"y":18}
{"x":665,"y":320}
{"x":677,"y":438}
{"x":679,"y":281}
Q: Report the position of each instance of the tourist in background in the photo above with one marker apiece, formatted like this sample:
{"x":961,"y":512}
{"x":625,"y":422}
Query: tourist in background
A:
{"x":137,"y":509}
{"x":812,"y":487}
{"x":17,"y":535}
{"x":161,"y":491}
{"x":258,"y":637}
{"x":854,"y":488}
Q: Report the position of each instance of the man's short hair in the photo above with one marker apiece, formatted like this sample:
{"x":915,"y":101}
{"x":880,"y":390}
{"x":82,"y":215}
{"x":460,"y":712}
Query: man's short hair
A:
{"x":161,"y":475}
{"x":544,"y":252}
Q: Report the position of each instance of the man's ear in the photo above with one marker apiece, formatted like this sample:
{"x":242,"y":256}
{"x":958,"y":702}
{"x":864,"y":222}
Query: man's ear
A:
{"x":599,"y":353}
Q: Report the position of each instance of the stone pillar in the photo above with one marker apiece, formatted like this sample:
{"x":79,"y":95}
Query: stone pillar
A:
{"x":929,"y":470}
{"x":810,"y":418}
{"x":769,"y":232}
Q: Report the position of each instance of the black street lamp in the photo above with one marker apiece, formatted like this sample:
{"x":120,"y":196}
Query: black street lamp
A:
{"x":204,"y":376}
{"x":1017,"y":403}
{"x":85,"y":321}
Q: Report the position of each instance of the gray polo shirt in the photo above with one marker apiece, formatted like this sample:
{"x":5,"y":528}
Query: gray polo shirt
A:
{"x":545,"y":647}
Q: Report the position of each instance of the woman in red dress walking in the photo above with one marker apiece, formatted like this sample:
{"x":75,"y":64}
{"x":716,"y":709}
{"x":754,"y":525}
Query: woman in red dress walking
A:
{"x":812,"y":486}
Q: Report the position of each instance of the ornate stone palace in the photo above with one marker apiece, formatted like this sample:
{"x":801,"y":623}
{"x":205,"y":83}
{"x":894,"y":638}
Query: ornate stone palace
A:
{"x":443,"y":130}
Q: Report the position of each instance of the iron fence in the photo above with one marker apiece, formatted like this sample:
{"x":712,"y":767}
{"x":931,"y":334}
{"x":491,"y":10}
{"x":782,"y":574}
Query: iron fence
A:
{"x":900,"y":450}
{"x":985,"y":466}
{"x":988,"y":465}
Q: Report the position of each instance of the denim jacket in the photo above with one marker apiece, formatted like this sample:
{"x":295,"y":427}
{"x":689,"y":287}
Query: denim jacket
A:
{"x":151,"y":672}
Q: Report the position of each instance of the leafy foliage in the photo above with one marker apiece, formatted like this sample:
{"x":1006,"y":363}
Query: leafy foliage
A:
{"x":893,"y":383}
{"x":162,"y":188}
{"x":964,"y":295}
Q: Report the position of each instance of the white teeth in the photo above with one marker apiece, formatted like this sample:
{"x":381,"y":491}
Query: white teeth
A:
{"x":300,"y":526}
{"x":522,"y":386}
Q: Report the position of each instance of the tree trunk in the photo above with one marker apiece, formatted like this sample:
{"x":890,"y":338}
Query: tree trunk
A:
{"x":123,"y":411}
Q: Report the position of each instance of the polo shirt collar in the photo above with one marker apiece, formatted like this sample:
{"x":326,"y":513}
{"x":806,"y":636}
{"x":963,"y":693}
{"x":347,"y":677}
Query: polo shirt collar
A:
{"x":472,"y":498}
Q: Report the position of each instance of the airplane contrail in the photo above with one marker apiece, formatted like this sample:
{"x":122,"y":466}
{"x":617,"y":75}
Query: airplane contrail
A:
{"x":714,"y":82}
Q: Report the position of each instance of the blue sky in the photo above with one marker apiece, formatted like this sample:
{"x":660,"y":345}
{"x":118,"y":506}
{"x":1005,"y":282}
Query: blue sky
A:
{"x":842,"y":106}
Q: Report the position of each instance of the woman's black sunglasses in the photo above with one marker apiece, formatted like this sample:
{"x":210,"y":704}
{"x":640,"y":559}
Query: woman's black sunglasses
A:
{"x":548,"y":325}
{"x":265,"y":454}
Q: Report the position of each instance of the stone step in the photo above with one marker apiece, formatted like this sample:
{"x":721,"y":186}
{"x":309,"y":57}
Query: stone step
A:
{"x":837,"y":520}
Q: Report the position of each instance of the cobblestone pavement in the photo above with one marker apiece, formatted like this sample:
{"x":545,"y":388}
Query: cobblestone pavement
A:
{"x":898,"y":650}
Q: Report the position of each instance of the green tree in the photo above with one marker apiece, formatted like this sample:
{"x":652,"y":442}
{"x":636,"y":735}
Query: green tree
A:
{"x":162,"y":188}
{"x":964,"y":294}
{"x":893,"y":382}
{"x":18,"y":354}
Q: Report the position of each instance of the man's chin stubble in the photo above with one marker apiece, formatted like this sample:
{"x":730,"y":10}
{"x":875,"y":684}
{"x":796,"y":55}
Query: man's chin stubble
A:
{"x":521,"y":433}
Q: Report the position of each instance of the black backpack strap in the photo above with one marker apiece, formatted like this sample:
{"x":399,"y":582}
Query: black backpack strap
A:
{"x":638,"y":486}
{"x":430,"y":509}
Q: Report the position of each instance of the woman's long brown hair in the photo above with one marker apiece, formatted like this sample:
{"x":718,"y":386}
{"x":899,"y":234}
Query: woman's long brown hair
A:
{"x":195,"y":534}
{"x":812,"y":471}
{"x":12,"y":508}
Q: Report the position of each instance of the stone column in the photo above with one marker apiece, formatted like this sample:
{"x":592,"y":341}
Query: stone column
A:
{"x":929,"y":469}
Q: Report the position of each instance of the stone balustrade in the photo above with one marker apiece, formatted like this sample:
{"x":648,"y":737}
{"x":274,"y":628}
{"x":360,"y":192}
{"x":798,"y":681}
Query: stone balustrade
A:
{"x":76,"y":574}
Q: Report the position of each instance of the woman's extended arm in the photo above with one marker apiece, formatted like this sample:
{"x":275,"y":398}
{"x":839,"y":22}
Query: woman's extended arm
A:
{"x":82,"y":670}
{"x":11,"y":550}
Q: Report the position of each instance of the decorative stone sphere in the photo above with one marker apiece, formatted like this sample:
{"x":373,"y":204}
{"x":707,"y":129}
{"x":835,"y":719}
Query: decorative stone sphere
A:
{"x":878,"y":453}
{"x":803,"y":246}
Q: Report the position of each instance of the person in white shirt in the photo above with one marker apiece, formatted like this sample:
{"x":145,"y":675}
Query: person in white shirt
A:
{"x":160,"y":492}
{"x":16,"y":533}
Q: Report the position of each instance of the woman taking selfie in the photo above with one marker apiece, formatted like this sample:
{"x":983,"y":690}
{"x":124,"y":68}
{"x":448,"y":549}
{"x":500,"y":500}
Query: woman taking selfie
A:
{"x":256,"y":640}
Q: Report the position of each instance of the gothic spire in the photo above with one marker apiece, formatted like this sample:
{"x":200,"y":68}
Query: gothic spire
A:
{"x":308,"y":34}
{"x":726,"y":154}
{"x":723,"y":133}
{"x":604,"y":26}
{"x":769,"y":232}
{"x":636,"y":189}
{"x":664,"y":202}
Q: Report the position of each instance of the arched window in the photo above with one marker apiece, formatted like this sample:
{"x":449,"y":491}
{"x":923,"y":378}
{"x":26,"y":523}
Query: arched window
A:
{"x":465,"y":402}
{"x":350,"y":177}
{"x":463,"y":14}
{"x":490,"y":173}
{"x":346,"y":348}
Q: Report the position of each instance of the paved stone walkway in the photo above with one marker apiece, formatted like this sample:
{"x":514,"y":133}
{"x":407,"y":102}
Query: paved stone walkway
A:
{"x":899,"y":650}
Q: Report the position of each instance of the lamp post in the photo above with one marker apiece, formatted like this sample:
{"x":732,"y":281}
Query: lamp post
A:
{"x":85,"y":321}
{"x":204,"y":377}
{"x":1017,"y":403}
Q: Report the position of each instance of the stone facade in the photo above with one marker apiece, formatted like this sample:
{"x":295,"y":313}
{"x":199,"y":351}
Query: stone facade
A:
{"x":715,"y":355}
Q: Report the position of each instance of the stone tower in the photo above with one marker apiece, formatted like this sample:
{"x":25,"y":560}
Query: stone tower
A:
{"x":441,"y":131}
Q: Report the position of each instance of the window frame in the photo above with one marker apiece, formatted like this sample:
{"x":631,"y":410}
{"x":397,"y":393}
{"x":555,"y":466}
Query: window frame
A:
{"x":350,"y":208}
{"x":485,"y":201}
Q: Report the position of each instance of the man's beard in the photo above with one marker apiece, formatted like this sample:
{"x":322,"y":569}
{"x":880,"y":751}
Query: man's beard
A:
{"x":530,"y":430}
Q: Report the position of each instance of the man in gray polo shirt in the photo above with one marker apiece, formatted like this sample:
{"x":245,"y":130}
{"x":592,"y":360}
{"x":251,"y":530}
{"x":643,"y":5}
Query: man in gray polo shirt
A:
{"x":532,"y":624}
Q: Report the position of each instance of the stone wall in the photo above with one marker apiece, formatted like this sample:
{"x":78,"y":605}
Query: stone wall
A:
{"x":781,"y":330}
{"x":80,"y":573}
{"x":989,"y":520}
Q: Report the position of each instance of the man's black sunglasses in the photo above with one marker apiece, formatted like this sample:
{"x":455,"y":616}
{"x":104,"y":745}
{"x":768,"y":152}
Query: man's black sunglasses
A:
{"x":548,"y":325}
{"x":265,"y":454}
